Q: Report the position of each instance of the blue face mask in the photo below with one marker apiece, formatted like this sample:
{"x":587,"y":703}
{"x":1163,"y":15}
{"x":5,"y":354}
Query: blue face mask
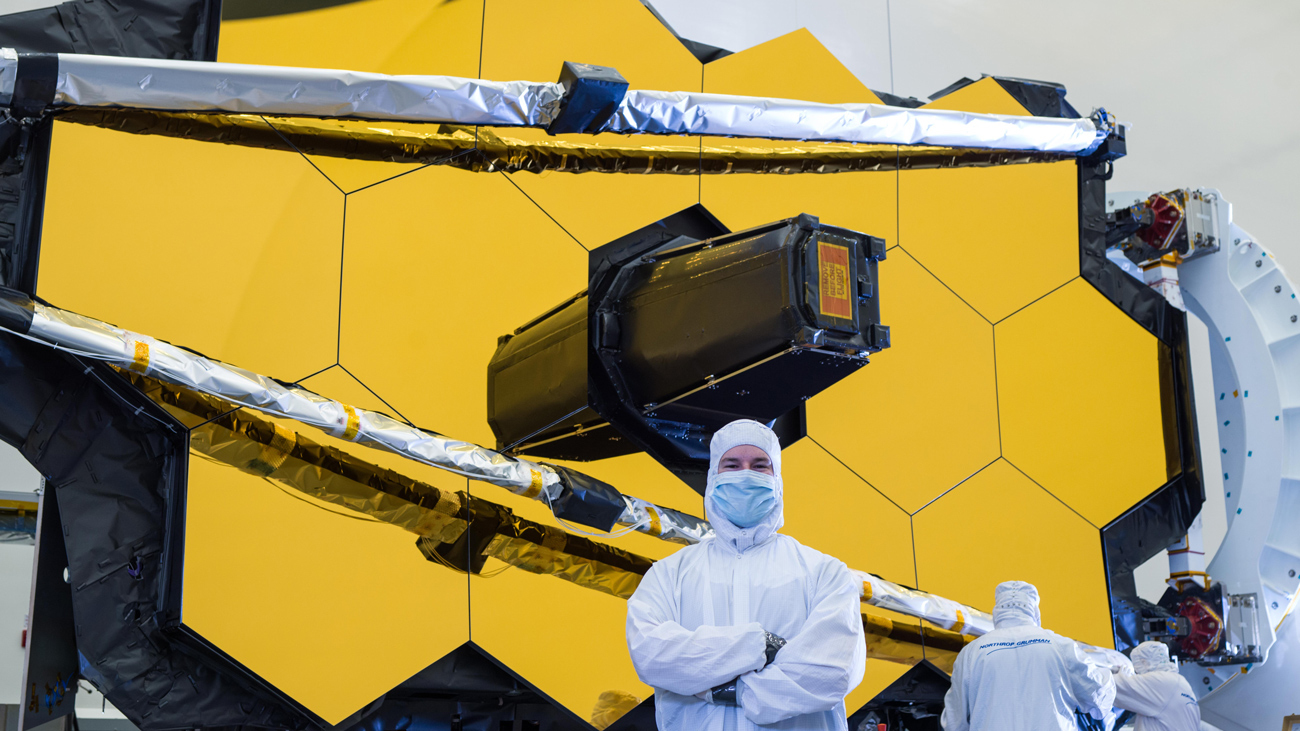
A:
{"x":744,"y":497}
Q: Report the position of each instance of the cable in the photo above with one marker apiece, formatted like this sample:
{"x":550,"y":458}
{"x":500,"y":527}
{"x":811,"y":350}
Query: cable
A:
{"x":293,"y":494}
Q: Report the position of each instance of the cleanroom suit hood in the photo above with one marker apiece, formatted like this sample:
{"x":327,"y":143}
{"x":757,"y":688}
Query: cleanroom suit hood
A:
{"x":1021,"y":676}
{"x":1160,"y":698}
{"x":737,"y":434}
{"x":1016,"y":605}
{"x":699,"y":620}
{"x":1152,"y":657}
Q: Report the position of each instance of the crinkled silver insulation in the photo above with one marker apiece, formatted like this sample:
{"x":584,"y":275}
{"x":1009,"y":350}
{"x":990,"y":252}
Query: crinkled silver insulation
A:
{"x":684,"y":112}
{"x":664,"y":523}
{"x":944,"y":612}
{"x":111,"y":81}
{"x":92,"y":338}
{"x":143,"y":354}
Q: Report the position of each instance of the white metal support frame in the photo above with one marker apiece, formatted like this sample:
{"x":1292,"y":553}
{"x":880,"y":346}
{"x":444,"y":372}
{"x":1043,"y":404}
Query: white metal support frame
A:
{"x":1252,"y":314}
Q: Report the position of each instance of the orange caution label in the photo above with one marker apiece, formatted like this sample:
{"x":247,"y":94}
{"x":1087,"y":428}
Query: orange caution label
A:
{"x":833,"y":264}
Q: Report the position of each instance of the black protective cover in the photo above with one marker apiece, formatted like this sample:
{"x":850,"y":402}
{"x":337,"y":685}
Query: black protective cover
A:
{"x":912,"y":702}
{"x":894,"y":100}
{"x":24,"y":162}
{"x":116,"y":463}
{"x":1130,"y":540}
{"x":466,"y":690}
{"x":1039,"y":98}
{"x":16,"y":311}
{"x":34,"y":84}
{"x":587,"y":500}
{"x":1165,"y":515}
{"x":176,"y":29}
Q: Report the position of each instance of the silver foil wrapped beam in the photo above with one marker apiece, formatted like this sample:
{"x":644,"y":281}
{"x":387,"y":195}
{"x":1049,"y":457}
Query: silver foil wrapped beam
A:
{"x":110,"y":81}
{"x":665,"y":523}
{"x":945,"y":613}
{"x":85,"y":336}
{"x":691,"y":113}
{"x":91,"y":338}
{"x":31,"y":82}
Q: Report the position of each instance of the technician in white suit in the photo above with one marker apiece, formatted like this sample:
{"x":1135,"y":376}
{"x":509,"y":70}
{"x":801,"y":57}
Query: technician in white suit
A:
{"x":1158,"y":696}
{"x":748,"y":627}
{"x":1021,"y":677}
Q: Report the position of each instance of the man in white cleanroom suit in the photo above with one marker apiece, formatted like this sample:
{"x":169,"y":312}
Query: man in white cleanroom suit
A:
{"x":1161,"y":699}
{"x":747,"y":627}
{"x":1021,"y":676}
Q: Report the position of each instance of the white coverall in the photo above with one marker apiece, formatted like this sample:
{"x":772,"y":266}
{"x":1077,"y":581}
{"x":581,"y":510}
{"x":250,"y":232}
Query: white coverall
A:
{"x":1161,"y":699}
{"x":1021,"y":676}
{"x":698,"y":618}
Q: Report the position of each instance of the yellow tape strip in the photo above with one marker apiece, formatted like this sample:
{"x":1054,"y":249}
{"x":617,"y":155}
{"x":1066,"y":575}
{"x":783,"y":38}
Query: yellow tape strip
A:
{"x":866,"y":591}
{"x":354,"y":423}
{"x":140,"y":361}
{"x":656,"y":526}
{"x":535,"y":488}
{"x":961,"y":623}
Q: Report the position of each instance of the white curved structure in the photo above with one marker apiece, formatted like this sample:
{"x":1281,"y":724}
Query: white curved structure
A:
{"x":1253,"y":316}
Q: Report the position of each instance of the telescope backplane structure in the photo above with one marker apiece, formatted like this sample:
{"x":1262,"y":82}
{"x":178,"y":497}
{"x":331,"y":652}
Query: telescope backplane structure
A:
{"x":376,"y":263}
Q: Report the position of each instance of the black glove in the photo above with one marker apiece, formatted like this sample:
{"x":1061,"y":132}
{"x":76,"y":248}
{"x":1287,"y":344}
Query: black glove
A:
{"x":774,"y":644}
{"x":725,"y":694}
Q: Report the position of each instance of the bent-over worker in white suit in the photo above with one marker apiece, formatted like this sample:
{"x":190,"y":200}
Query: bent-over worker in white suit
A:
{"x":1160,"y":698}
{"x":748,"y":627}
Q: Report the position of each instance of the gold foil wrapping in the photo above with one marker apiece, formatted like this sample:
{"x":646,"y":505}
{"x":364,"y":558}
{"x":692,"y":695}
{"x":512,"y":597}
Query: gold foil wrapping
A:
{"x":484,"y":149}
{"x":257,"y":445}
{"x":264,"y":448}
{"x":907,"y":643}
{"x":529,"y":556}
{"x":250,"y":444}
